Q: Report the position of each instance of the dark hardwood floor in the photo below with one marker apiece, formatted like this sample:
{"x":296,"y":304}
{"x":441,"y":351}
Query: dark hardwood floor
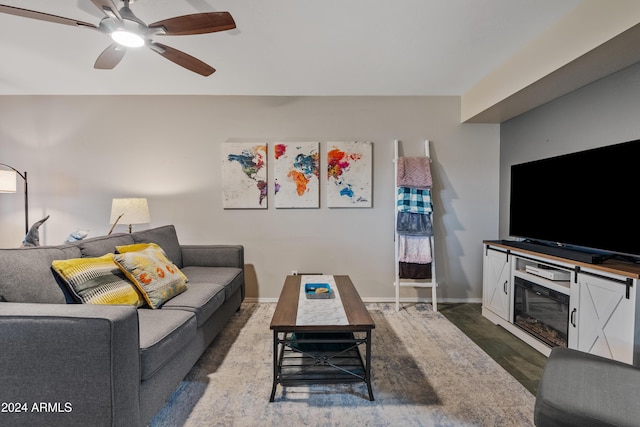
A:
{"x":521,"y":360}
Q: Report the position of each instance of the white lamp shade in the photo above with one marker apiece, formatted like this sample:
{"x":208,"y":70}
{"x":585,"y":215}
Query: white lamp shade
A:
{"x":133,"y":211}
{"x":7,"y":182}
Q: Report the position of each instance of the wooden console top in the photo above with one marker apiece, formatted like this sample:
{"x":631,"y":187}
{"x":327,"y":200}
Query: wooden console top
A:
{"x":622,"y":268}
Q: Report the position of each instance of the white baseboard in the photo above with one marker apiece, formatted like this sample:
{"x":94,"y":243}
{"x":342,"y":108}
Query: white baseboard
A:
{"x":254,"y":300}
{"x":387,"y":300}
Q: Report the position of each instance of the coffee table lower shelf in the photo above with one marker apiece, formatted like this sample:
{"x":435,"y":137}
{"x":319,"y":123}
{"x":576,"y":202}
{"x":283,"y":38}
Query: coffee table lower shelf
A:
{"x":321,"y":358}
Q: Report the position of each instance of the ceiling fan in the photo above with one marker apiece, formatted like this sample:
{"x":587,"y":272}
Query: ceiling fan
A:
{"x":127,"y":30}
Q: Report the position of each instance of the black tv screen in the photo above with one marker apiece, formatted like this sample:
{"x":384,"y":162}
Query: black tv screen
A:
{"x":584,"y":200}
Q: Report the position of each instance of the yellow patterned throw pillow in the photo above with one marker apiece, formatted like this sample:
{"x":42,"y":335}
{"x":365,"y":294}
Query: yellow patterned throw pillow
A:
{"x":97,"y":281}
{"x":156,"y":277}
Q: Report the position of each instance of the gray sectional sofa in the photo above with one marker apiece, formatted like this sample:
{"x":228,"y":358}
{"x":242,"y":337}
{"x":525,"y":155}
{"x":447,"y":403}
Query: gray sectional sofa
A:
{"x":68,"y":364}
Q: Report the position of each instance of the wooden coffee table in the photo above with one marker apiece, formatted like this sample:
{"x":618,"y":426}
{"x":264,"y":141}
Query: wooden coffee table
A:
{"x":320,"y":353}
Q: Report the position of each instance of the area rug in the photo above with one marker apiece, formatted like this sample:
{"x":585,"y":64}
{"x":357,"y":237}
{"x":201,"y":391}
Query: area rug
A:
{"x":425,"y":372}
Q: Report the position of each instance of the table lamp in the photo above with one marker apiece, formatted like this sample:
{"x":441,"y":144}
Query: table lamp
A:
{"x":129,"y":211}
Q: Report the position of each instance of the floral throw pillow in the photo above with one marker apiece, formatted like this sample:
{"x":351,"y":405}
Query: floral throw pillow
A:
{"x":136,"y":247}
{"x":157,"y":278}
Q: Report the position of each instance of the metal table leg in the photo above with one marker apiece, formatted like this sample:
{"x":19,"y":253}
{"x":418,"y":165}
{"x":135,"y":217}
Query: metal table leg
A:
{"x":368,"y":362}
{"x":276,"y":368}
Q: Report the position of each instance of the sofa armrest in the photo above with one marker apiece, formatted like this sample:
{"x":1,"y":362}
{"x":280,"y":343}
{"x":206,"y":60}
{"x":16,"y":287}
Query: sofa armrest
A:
{"x":213,"y":256}
{"x":69,"y":364}
{"x":582,"y":389}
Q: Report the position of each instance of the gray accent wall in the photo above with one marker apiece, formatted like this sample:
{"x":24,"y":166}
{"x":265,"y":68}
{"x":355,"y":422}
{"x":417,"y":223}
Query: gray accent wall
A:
{"x":82,"y":151}
{"x":604,"y":113}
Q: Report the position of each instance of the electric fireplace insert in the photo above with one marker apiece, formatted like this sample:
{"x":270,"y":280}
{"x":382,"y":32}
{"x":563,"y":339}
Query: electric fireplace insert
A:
{"x":541,"y":312}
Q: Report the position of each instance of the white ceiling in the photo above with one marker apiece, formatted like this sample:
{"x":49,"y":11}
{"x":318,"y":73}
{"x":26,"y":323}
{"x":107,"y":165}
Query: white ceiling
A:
{"x":281,"y":47}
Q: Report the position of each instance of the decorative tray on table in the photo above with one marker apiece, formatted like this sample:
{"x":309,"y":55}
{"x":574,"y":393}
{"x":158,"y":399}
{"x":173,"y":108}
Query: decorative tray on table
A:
{"x":318,"y":291}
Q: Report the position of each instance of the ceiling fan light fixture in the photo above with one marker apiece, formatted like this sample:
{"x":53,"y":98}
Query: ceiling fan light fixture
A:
{"x":127,"y":38}
{"x":127,"y":30}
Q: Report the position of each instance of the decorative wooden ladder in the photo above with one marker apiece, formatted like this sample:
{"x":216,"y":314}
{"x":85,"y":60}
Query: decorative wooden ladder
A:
{"x":415,"y":283}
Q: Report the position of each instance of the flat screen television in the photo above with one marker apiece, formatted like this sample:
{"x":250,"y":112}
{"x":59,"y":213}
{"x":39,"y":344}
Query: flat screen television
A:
{"x":585,"y":201}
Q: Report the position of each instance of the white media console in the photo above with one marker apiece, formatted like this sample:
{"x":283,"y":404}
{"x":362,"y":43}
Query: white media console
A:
{"x":547,"y":300}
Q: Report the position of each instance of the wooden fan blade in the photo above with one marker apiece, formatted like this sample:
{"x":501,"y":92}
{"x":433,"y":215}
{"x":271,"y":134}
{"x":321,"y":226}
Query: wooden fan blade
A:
{"x":110,"y":57}
{"x":182,"y":59}
{"x":26,"y":13}
{"x":108,"y":7}
{"x":198,"y":23}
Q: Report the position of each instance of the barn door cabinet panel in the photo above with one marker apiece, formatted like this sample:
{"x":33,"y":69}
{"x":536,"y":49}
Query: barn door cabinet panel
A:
{"x":604,"y":316}
{"x":496,"y":295}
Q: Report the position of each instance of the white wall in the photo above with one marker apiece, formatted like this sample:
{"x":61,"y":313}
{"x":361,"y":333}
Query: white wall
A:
{"x":81,"y":151}
{"x":603,"y":113}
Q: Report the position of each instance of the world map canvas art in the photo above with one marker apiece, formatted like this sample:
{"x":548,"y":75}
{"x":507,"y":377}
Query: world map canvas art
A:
{"x":349,"y":172}
{"x":244,"y":175}
{"x":297,"y":175}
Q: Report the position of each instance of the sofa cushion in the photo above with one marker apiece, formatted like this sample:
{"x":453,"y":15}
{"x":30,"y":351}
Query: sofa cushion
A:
{"x":202,"y":299}
{"x":163,"y":333}
{"x":230,"y":278}
{"x":26,"y":275}
{"x":97,"y":281}
{"x":98,"y":246}
{"x":156,"y":277}
{"x":164,"y":236}
{"x":70,"y":251}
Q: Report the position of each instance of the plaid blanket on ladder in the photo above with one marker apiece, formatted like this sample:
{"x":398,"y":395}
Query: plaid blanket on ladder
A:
{"x":414,"y":200}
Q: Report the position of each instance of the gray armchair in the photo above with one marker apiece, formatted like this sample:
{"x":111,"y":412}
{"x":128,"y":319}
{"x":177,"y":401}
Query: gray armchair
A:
{"x":581,"y":389}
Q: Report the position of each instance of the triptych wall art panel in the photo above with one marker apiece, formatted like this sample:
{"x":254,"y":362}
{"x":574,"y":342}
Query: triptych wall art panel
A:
{"x":296,"y":166}
{"x":297,"y":175}
{"x":349,"y":174}
{"x":244,"y":175}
